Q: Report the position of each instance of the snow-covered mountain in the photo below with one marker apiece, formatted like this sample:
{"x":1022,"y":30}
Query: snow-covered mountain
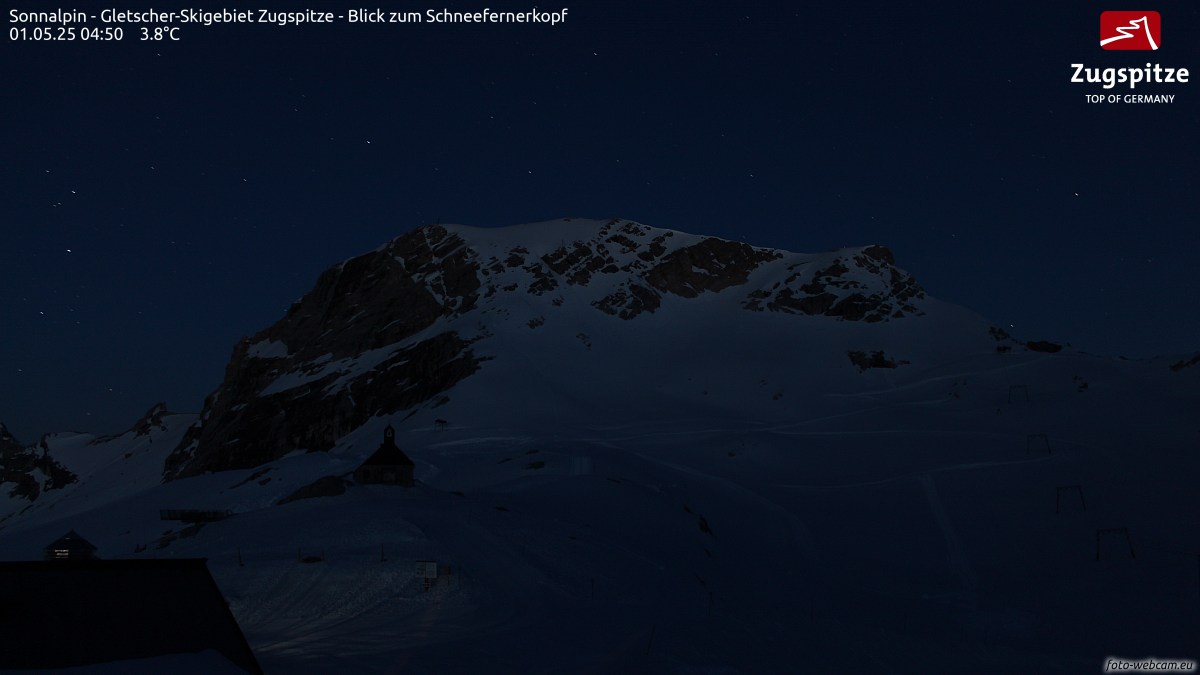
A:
{"x":640,"y":450}
{"x":592,"y":318}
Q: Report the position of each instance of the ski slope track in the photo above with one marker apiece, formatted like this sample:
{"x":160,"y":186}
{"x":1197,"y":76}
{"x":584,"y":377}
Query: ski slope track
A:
{"x":645,"y":451}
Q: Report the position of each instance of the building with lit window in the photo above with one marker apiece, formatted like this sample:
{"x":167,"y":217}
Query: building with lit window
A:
{"x":71,"y":546}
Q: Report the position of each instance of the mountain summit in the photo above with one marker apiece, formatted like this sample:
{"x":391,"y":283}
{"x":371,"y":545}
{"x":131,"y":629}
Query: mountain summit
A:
{"x":396,"y":329}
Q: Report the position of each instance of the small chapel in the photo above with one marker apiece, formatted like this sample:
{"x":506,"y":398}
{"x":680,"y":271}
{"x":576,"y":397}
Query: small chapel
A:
{"x":386,"y":466}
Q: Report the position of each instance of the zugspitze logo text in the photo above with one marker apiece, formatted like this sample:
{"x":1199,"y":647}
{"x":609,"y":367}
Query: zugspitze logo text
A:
{"x":1130,"y":30}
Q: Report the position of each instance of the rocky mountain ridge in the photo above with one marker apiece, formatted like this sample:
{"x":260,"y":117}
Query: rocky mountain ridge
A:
{"x":392,"y":331}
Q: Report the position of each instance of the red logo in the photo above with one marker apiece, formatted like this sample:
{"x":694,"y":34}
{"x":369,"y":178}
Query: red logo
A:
{"x":1130,"y":30}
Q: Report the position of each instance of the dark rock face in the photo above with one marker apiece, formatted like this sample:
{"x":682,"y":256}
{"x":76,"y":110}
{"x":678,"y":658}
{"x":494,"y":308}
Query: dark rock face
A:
{"x":18,"y":464}
{"x":867,"y":360}
{"x":629,"y":302}
{"x":710,"y":266}
{"x":1043,"y":346}
{"x":861,"y":287}
{"x":153,"y":419}
{"x":238,"y":432}
{"x":302,"y":383}
{"x":1186,"y":363}
{"x":880,"y":253}
{"x":380,"y":298}
{"x":864,"y":286}
{"x":646,"y":269}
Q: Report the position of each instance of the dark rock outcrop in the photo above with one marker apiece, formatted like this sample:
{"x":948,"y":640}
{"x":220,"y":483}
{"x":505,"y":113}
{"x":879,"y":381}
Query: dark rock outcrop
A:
{"x":1186,"y":363}
{"x":860,"y":287}
{"x":629,"y":302}
{"x":1044,"y":346}
{"x":877,"y":359}
{"x":709,"y":266}
{"x":31,"y":470}
{"x":333,"y":361}
{"x":153,"y":419}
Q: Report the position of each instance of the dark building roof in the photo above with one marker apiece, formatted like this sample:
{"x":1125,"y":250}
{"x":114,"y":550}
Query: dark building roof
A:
{"x":68,"y":613}
{"x":70,"y":545}
{"x":388,"y":454}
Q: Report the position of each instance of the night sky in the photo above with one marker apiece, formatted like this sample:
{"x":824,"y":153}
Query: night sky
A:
{"x":161,"y":200}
